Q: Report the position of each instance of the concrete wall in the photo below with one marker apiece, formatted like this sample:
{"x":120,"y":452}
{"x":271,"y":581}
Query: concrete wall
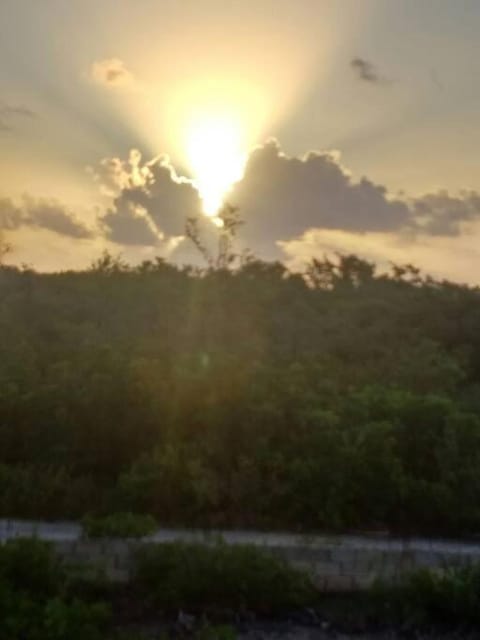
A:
{"x":336,"y":563}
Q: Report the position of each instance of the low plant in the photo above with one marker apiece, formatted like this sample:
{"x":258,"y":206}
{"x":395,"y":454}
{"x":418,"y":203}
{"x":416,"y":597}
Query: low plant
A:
{"x":427,"y":597}
{"x":34,"y":602}
{"x":173,"y":575}
{"x":119,"y":525}
{"x":29,"y":565}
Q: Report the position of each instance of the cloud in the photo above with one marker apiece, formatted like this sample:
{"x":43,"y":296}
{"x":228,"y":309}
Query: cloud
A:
{"x":280,"y":199}
{"x":441,"y":214}
{"x":41,"y":214}
{"x":11,"y":216}
{"x":11,"y":113}
{"x":152,"y":202}
{"x":435,"y":255}
{"x":111,"y":72}
{"x":114,"y":175}
{"x":130,"y":224}
{"x":366,"y":71}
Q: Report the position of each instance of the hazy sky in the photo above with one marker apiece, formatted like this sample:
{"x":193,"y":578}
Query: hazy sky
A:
{"x":348,"y":125}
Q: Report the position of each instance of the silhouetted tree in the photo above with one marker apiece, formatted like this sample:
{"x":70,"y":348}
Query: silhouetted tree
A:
{"x":5,"y":248}
{"x":225,"y":227}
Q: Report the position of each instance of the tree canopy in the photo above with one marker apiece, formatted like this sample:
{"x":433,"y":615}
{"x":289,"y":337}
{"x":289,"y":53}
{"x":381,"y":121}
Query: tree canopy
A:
{"x":249,"y":396}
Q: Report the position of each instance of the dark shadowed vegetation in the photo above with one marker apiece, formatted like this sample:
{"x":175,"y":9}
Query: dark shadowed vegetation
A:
{"x":224,"y":589}
{"x":119,"y":525}
{"x":239,"y":577}
{"x":339,"y":399}
{"x":446,"y":598}
{"x":36,"y":601}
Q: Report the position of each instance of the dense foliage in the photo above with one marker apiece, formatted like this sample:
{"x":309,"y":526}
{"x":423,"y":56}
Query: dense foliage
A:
{"x":424,"y":597}
{"x":41,"y":599}
{"x":252,"y":397}
{"x":224,"y":587}
{"x":239,"y":577}
{"x":35,"y":601}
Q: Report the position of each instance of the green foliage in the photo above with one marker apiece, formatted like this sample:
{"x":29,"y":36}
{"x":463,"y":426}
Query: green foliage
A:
{"x":241,"y":396}
{"x":173,"y":575}
{"x":29,"y":565}
{"x":33,"y":599}
{"x":215,"y":632}
{"x":75,"y":620}
{"x":450,"y":597}
{"x":119,"y":525}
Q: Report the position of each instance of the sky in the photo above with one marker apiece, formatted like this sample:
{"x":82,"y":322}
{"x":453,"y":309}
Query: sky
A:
{"x":333,"y":125}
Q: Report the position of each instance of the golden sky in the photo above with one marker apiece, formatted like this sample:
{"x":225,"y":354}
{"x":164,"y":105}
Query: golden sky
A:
{"x":346,"y":125}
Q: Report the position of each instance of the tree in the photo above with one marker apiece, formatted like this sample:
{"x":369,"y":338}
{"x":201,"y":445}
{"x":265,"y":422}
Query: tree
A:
{"x":227,"y":223}
{"x":348,"y":270}
{"x":5,"y":248}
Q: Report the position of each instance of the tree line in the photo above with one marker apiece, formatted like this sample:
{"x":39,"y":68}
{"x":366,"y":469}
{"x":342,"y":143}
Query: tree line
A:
{"x":341,"y":398}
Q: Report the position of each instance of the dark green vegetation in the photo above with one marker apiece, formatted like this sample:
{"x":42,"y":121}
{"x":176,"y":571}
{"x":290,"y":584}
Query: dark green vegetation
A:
{"x":225,"y":588}
{"x":41,"y":600}
{"x":237,"y":577}
{"x":251,"y":397}
{"x":119,"y":525}
{"x":434,"y":603}
{"x":37,"y":602}
{"x":448,"y":598}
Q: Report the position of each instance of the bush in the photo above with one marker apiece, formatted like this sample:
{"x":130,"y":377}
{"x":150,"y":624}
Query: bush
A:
{"x":177,"y":574}
{"x":450,"y":597}
{"x":75,"y":620}
{"x":119,"y":525}
{"x":29,"y":565}
{"x":33,"y":601}
{"x":24,"y":616}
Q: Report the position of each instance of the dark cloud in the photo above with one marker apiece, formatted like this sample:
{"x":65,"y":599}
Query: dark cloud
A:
{"x":39,"y":213}
{"x":280,"y":198}
{"x":366,"y":71}
{"x":154,"y":209}
{"x":10,"y":113}
{"x":441,"y":214}
{"x":128,"y":224}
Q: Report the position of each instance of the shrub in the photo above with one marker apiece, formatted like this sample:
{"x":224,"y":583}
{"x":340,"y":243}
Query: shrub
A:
{"x":30,"y":566}
{"x":33,"y":602}
{"x":450,"y":597}
{"x":177,"y":574}
{"x":119,"y":525}
{"x":75,"y":620}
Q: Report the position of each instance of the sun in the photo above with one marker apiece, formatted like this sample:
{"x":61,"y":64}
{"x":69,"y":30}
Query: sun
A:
{"x":214,"y":145}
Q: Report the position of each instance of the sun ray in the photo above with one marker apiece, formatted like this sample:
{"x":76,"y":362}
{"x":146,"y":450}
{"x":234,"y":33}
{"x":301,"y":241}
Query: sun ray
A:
{"x":215,"y":153}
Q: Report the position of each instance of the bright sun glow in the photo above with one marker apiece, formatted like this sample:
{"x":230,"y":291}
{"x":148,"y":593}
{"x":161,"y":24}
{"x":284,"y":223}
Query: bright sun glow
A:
{"x":216,"y":155}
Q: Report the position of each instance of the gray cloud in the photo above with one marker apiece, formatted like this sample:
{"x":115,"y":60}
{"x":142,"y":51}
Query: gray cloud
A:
{"x":283,"y":197}
{"x":11,"y":216}
{"x":366,"y":71}
{"x":41,"y":213}
{"x":129,"y":224}
{"x":441,"y":214}
{"x":154,"y":205}
{"x":10,"y":113}
{"x":279,"y":198}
